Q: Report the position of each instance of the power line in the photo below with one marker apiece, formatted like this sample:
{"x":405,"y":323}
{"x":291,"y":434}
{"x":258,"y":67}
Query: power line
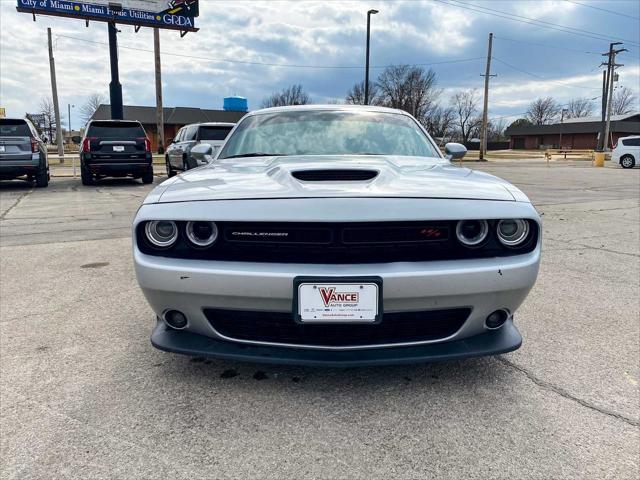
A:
{"x":550,"y":24}
{"x":267,"y":64}
{"x":603,"y":9}
{"x":541,"y":77}
{"x":555,"y":47}
{"x":531,"y":21}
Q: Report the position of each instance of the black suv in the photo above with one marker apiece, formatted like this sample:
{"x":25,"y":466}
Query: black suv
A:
{"x":115,"y":148}
{"x":22,"y":152}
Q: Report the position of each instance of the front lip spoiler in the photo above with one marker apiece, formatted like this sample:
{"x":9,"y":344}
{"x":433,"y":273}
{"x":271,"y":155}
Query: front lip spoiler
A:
{"x":503,"y":340}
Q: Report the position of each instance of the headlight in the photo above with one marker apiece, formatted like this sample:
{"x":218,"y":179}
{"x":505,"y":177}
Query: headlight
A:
{"x":472,"y":233}
{"x":161,"y":233}
{"x":202,"y":234}
{"x":513,"y":232}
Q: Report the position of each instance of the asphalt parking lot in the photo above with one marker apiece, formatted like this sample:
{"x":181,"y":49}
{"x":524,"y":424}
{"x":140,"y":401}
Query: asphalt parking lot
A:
{"x":85,"y":395}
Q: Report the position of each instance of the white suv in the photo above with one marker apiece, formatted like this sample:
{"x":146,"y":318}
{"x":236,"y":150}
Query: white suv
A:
{"x":627,"y":152}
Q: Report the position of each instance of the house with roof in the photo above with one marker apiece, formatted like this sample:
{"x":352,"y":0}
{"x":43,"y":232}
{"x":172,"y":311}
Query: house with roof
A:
{"x":575,"y":133}
{"x":174,"y":119}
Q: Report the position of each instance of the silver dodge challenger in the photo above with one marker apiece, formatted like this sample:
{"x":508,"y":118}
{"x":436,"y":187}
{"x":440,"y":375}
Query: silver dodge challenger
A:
{"x":339,"y":236}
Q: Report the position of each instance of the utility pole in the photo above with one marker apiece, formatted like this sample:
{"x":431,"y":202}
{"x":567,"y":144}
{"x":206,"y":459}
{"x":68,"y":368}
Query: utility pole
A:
{"x":605,"y":80}
{"x":115,"y":89}
{"x":54,"y":92}
{"x":611,"y":66}
{"x":485,"y":113}
{"x":159,"y":111}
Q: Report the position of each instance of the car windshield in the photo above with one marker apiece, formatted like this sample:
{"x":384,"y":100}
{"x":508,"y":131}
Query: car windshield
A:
{"x":213,"y":133}
{"x":115,"y":130}
{"x":327,"y":132}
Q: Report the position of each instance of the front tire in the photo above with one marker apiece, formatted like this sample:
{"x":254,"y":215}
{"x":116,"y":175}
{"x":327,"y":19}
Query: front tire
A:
{"x":147,"y":177}
{"x":627,"y":161}
{"x":86,"y":176}
{"x":170,"y":171}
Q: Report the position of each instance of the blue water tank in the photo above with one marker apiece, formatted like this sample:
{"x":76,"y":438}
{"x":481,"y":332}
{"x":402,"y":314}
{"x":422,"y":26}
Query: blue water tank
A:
{"x":235,"y":104}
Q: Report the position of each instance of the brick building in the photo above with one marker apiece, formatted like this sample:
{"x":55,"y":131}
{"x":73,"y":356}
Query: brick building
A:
{"x":174,"y":119}
{"x":579,"y":133}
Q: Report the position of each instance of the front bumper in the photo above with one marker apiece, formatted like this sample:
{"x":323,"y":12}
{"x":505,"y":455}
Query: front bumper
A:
{"x":504,"y":340}
{"x":190,"y":286}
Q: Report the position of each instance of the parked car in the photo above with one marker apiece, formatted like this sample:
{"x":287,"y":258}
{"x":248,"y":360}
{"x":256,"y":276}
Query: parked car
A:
{"x":22,"y":152}
{"x":178,"y":155}
{"x":335,"y":235}
{"x":115,"y":148}
{"x":626,"y":153}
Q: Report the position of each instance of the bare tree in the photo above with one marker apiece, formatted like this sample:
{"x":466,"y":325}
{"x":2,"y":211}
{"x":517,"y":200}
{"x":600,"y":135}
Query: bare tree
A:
{"x":355,"y":96}
{"x":579,"y":107}
{"x":91,"y":105}
{"x":292,"y":95}
{"x":543,"y":111}
{"x":495,"y":130}
{"x":466,"y":113}
{"x":48,"y":113}
{"x":408,"y":88}
{"x":623,"y":101}
{"x":38,"y":121}
{"x":439,"y":121}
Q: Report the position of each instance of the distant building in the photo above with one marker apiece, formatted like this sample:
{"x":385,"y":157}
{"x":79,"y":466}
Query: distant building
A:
{"x":578,"y":133}
{"x":174,"y":119}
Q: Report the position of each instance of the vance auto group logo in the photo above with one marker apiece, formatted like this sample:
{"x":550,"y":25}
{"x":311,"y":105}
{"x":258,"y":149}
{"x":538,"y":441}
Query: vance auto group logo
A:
{"x":330,"y":297}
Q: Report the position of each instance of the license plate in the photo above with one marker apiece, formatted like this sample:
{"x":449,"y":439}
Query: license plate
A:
{"x":338,"y":301}
{"x":2,"y":150}
{"x":118,"y":148}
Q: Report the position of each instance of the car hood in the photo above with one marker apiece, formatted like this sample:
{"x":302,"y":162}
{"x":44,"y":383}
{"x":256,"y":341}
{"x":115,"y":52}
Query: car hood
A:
{"x":275,"y":177}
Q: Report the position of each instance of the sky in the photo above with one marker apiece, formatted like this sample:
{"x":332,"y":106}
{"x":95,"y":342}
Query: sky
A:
{"x":305,"y":37}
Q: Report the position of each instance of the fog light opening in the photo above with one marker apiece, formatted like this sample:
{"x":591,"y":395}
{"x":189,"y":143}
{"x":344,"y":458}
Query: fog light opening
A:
{"x":496,"y":319}
{"x":175,"y":319}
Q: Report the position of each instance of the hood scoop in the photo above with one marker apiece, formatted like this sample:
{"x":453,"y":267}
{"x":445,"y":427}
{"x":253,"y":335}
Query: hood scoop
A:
{"x":335,"y":175}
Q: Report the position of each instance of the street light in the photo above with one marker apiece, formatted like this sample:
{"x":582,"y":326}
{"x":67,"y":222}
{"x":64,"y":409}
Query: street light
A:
{"x":69,"y":106}
{"x":366,"y":73}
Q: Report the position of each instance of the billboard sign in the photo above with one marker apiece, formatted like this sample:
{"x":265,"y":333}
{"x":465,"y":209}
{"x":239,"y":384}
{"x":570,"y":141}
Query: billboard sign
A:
{"x":172,"y":14}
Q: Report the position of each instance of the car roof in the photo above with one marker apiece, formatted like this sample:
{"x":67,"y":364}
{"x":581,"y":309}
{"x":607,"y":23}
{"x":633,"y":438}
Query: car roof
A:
{"x":630,"y":136}
{"x":114,"y":121}
{"x":214,"y":124}
{"x":336,"y":107}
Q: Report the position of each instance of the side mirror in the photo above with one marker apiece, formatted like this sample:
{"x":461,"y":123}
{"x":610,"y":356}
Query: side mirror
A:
{"x":76,"y":139}
{"x":454,"y":151}
{"x":171,"y":141}
{"x":203,"y":153}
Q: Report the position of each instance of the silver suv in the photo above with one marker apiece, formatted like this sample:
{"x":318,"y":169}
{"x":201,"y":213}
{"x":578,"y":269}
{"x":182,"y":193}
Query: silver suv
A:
{"x":178,"y":155}
{"x":22,"y":152}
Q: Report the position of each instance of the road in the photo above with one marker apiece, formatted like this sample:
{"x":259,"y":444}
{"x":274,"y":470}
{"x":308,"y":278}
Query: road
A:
{"x":84,"y":395}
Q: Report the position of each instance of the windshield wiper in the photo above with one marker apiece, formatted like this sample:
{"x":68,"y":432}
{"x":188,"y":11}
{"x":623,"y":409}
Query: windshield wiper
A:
{"x":255,"y":154}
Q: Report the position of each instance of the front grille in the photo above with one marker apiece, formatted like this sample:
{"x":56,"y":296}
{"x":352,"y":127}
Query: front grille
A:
{"x":337,"y":243}
{"x":278,"y":327}
{"x":335,"y":175}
